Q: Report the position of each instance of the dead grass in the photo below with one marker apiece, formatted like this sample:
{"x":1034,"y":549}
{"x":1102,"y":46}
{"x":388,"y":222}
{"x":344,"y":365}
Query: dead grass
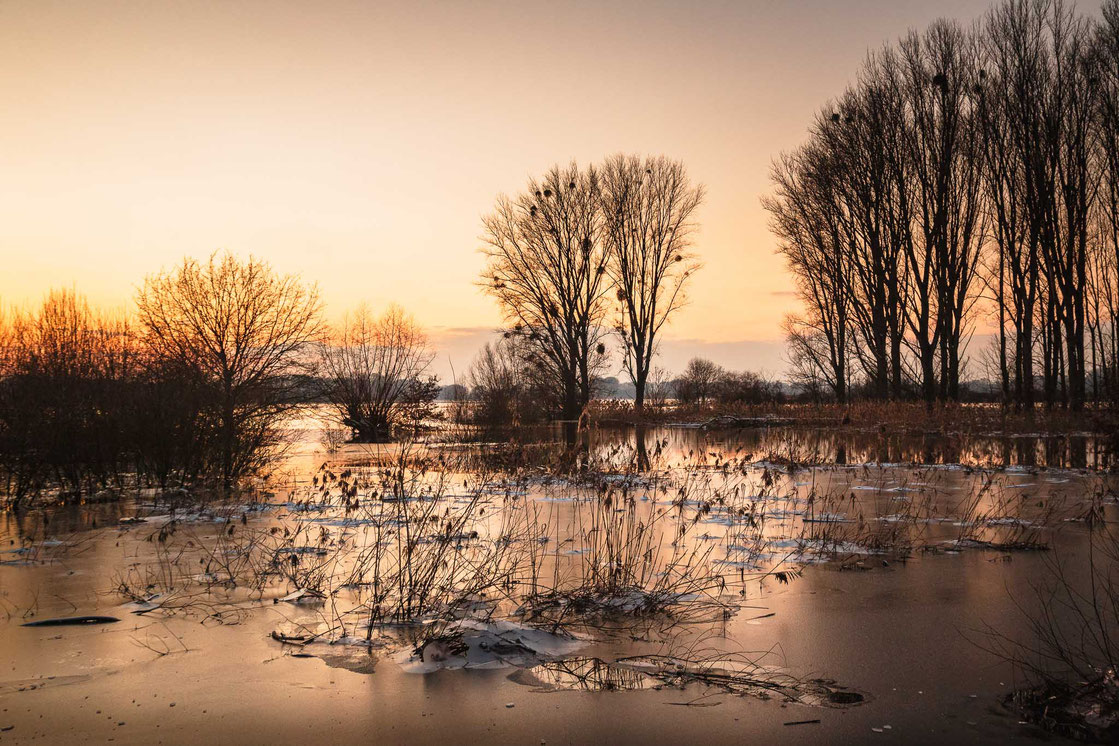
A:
{"x":889,"y":417}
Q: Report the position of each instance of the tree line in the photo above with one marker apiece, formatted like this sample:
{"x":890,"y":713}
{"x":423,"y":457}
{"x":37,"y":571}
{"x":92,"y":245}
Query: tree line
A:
{"x":969,"y":177}
{"x":197,"y":384}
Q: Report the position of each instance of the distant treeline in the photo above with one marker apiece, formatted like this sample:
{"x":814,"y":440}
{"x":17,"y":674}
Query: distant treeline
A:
{"x":191,"y":387}
{"x":969,"y":176}
{"x":196,"y":385}
{"x":504,"y":389}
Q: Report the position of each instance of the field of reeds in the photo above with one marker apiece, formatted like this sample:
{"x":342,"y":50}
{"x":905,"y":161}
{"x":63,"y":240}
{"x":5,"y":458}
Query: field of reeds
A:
{"x":447,"y":556}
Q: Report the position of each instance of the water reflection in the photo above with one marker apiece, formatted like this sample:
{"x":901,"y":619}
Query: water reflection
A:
{"x":809,"y":446}
{"x":745,"y":518}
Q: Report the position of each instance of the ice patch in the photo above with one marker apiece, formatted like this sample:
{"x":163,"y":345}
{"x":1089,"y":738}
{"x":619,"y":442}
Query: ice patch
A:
{"x":472,"y":643}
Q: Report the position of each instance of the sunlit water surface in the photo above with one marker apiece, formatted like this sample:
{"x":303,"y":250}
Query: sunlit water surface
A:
{"x":907,"y":550}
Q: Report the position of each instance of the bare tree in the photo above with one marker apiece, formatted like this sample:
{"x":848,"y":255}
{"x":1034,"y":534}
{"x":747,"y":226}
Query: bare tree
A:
{"x":1007,"y":99}
{"x":968,"y":171}
{"x":647,"y":209}
{"x":699,"y":382}
{"x":1062,"y":183}
{"x":815,"y":364}
{"x":64,"y":395}
{"x":1040,"y":108}
{"x":245,"y":329}
{"x":1106,"y":286}
{"x":934,"y":161}
{"x":659,"y":388}
{"x":851,"y":136}
{"x":806,"y":220}
{"x":547,"y":268}
{"x":879,"y":218}
{"x":85,"y":405}
{"x":375,"y":373}
{"x":506,"y":389}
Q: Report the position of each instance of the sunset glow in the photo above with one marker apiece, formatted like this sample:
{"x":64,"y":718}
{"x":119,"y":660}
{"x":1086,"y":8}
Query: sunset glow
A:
{"x":359,"y":145}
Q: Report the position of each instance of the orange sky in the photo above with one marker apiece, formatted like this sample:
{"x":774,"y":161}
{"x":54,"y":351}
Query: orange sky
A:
{"x":359,"y":143}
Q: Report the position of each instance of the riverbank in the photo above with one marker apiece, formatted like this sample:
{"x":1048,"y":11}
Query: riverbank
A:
{"x":910,"y":418}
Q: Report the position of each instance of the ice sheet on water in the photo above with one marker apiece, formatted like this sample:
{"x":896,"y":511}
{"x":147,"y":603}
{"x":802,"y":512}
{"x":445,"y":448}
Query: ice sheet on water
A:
{"x":1008,"y":521}
{"x":474,"y":643}
{"x":193,"y":516}
{"x":341,"y":522}
{"x":304,"y":596}
{"x":817,"y":551}
{"x":827,"y":518}
{"x":787,"y":543}
{"x":902,"y":519}
{"x":725,"y":519}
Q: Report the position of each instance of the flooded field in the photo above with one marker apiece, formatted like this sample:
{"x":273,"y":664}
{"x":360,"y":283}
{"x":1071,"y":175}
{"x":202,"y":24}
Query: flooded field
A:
{"x":750,"y":584}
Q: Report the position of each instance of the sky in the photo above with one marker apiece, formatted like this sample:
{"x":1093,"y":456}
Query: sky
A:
{"x":359,"y":144}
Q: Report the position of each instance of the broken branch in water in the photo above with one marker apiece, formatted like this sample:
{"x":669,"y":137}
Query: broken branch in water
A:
{"x":71,"y":621}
